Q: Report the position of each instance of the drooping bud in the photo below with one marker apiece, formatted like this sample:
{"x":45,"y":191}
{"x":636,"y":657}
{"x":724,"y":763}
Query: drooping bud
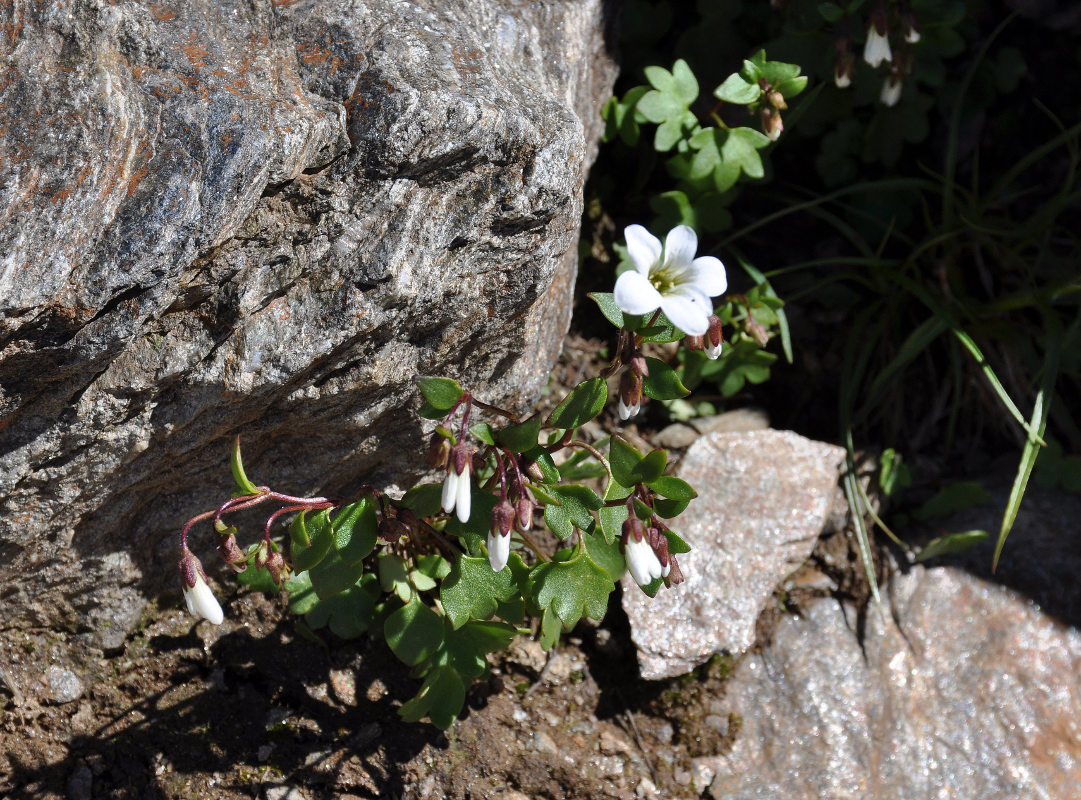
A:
{"x":392,"y":529}
{"x":276,"y":566}
{"x":438,"y":451}
{"x":502,"y":518}
{"x":633,"y":528}
{"x":714,"y":338}
{"x":772,"y":124}
{"x":642,"y":562}
{"x":499,"y":535}
{"x":757,"y":330}
{"x":630,"y":395}
{"x":533,"y":470}
{"x":197,"y":594}
{"x":695,"y":342}
{"x":844,"y":62}
{"x":236,"y":558}
{"x":909,"y":27}
{"x":776,"y":99}
{"x":675,"y":576}
{"x":523,"y":512}
{"x":639,"y":366}
{"x":456,"y":486}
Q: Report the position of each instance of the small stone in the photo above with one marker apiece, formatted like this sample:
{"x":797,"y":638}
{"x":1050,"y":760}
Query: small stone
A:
{"x":646,"y":789}
{"x":64,"y":685}
{"x":285,"y":793}
{"x":702,"y":771}
{"x":739,"y":420}
{"x":612,"y":743}
{"x":527,"y":653}
{"x":543,"y":743}
{"x":264,"y":751}
{"x":663,"y":732}
{"x":343,"y":684}
{"x":718,"y":723}
{"x":609,"y":765}
{"x":80,"y":784}
{"x":676,"y":435}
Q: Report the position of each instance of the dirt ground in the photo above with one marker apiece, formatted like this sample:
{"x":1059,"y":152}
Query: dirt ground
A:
{"x":252,"y":708}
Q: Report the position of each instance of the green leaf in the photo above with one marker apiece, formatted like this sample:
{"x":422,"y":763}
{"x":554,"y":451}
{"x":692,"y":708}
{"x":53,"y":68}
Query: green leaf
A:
{"x":953,"y":498}
{"x":482,"y":432}
{"x":545,"y":462}
{"x":663,"y":382}
{"x":355,"y":530}
{"x":413,"y":632}
{"x":673,"y":488}
{"x":393,"y":577}
{"x":623,"y":458}
{"x":464,"y":649}
{"x":473,"y":591}
{"x":792,"y":86}
{"x":774,"y":72}
{"x":236,"y":464}
{"x":831,"y":12}
{"x":606,"y":301}
{"x":441,"y":393}
{"x":440,"y":698}
{"x":317,"y":532}
{"x":606,"y":555}
{"x":641,"y":510}
{"x":612,"y":517}
{"x":349,"y":613}
{"x":583,"y":404}
{"x":651,"y":467}
{"x":520,"y":437}
{"x":551,"y":627}
{"x":302,"y":596}
{"x":741,"y":148}
{"x":424,"y":500}
{"x":893,"y":474}
{"x":950,"y":544}
{"x":673,"y":130}
{"x":572,"y":588}
{"x":332,"y":575}
{"x":434,"y":566}
{"x":676,"y":545}
{"x":736,"y":90}
{"x":667,"y":509}
{"x":575,"y":504}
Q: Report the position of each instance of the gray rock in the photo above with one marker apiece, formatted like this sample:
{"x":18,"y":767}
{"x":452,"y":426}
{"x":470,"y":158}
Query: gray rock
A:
{"x":763,"y":499}
{"x":80,"y":784}
{"x":960,"y":689}
{"x":738,"y":420}
{"x":676,"y":435}
{"x":265,"y":219}
{"x":64,"y":685}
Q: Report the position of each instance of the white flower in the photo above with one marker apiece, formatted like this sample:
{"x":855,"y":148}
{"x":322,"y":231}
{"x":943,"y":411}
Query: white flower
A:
{"x":498,"y":550}
{"x":642,"y":562}
{"x":456,"y":493}
{"x":202,"y":602}
{"x":842,"y":78}
{"x":628,"y":411}
{"x":713,"y":351}
{"x":670,"y":278}
{"x":877,"y":48}
{"x":891,"y":91}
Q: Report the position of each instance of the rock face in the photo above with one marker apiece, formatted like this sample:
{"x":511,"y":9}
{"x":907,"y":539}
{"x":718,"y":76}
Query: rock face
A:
{"x":264,"y":219}
{"x":763,"y":498}
{"x":960,"y":689}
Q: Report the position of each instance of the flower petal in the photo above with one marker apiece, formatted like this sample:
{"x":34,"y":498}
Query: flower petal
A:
{"x":680,"y":245}
{"x":498,"y":551}
{"x":450,"y":490}
{"x":643,"y":247}
{"x":634,"y":294}
{"x":464,"y":498}
{"x":688,"y":311}
{"x":709,"y":276}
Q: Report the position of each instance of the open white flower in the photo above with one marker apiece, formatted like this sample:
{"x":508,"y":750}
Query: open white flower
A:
{"x":202,"y":602}
{"x":670,"y":278}
{"x":642,"y":562}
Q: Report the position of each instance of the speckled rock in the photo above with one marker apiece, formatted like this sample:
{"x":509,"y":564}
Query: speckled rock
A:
{"x":764,"y":497}
{"x":960,"y":689}
{"x":265,"y":219}
{"x":64,"y":685}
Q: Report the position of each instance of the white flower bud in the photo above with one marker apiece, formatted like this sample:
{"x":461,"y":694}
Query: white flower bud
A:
{"x":202,"y":602}
{"x":498,"y":550}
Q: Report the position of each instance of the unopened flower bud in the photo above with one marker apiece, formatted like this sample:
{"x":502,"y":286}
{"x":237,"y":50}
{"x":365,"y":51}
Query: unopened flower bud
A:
{"x":776,"y":99}
{"x":276,"y":566}
{"x":630,"y":395}
{"x":502,"y":518}
{"x":523,"y":511}
{"x":392,"y":529}
{"x":908,"y":25}
{"x":772,"y":124}
{"x":695,"y":342}
{"x":633,"y":528}
{"x":438,"y":451}
{"x":499,"y":535}
{"x":757,"y":331}
{"x":675,"y":575}
{"x":642,"y":562}
{"x":891,"y":90}
{"x":714,"y":338}
{"x":197,"y":594}
{"x":639,"y":366}
{"x":533,"y":470}
{"x":233,"y":555}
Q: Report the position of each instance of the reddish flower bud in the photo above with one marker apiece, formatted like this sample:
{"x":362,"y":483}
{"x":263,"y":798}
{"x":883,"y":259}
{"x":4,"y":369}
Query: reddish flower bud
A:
{"x":231,"y":552}
{"x":276,"y":566}
{"x":639,"y":366}
{"x":523,"y":511}
{"x":438,"y":451}
{"x":391,"y":529}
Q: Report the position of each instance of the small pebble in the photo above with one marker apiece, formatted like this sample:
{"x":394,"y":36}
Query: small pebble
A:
{"x":543,"y":743}
{"x":64,"y":685}
{"x":676,"y":435}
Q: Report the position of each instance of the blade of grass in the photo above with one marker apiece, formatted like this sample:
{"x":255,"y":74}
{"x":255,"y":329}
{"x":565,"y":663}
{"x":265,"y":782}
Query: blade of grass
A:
{"x":782,"y":318}
{"x":863,"y":540}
